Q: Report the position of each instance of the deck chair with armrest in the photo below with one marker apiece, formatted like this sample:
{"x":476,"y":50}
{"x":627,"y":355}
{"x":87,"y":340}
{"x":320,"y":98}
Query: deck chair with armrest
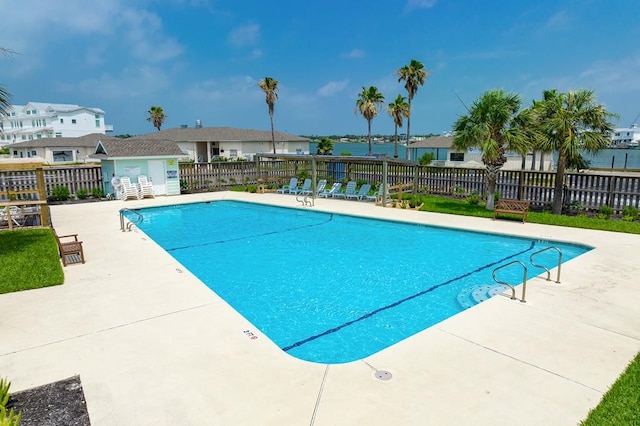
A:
{"x":289,"y":189}
{"x":145,"y":188}
{"x":335,"y":188}
{"x":306,"y":187}
{"x":349,"y":190}
{"x":70,"y":251}
{"x":129,"y":190}
{"x":362,"y":192}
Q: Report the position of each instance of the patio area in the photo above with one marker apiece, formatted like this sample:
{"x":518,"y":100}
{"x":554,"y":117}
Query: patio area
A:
{"x":153,"y":345}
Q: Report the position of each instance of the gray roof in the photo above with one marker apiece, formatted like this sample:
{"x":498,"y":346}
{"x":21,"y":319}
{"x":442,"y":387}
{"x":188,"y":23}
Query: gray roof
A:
{"x":136,"y":147}
{"x":80,"y":141}
{"x":433,"y":142}
{"x":221,"y":134}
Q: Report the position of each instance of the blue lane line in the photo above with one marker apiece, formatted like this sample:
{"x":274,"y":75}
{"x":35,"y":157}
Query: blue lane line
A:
{"x":399,"y":302}
{"x":253,"y":236}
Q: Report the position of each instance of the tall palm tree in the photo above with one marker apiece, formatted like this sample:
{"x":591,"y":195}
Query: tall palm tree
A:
{"x":572,"y":122}
{"x":367,"y":105}
{"x":398,"y":109}
{"x":5,"y":96}
{"x":413,"y":75}
{"x":156,"y":116}
{"x":270,"y":88}
{"x":491,"y":126}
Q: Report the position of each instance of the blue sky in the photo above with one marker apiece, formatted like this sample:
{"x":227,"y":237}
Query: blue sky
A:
{"x":202,"y":59}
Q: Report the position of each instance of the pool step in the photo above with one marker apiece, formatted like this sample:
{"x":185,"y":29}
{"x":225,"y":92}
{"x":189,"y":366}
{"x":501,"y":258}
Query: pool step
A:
{"x":471,"y":296}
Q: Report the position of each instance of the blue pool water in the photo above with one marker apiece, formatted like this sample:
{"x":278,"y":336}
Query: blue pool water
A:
{"x":331,"y":288}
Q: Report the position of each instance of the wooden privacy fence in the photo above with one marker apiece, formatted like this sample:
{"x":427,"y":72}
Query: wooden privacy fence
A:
{"x":590,"y":190}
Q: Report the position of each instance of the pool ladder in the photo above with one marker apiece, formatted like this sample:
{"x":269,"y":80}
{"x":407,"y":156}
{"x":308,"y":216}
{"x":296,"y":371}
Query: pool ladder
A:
{"x":129,"y":225}
{"x":524,"y":272}
{"x":305,"y":200}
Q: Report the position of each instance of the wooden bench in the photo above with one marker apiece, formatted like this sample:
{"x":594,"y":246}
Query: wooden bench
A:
{"x":70,"y":251}
{"x":514,"y":207}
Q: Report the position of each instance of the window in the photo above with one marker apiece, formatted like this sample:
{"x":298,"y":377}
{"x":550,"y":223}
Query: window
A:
{"x":456,"y":156}
{"x":233,"y":153}
{"x":73,"y":121}
{"x":34,"y":112}
{"x":97,"y":122}
{"x":62,"y":156}
{"x":34,"y":153}
{"x":62,"y":121}
{"x":58,"y":134}
{"x":28,"y":112}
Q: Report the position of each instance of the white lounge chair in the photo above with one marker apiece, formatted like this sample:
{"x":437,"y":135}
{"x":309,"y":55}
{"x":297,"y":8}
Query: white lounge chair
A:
{"x":145,"y":187}
{"x":364,"y":191}
{"x":349,"y":190}
{"x":335,"y":188}
{"x":289,"y":189}
{"x":379,"y":196}
{"x":128,"y":190}
{"x":322,"y":183}
{"x":306,"y":188}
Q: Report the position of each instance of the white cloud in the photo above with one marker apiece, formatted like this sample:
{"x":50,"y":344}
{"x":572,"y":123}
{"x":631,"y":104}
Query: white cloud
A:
{"x":355,"y":54}
{"x":245,"y":35}
{"x":332,"y":88}
{"x":420,"y":4}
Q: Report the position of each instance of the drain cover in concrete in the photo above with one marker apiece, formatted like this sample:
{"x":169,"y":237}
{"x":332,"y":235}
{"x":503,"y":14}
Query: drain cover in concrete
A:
{"x":383,"y":375}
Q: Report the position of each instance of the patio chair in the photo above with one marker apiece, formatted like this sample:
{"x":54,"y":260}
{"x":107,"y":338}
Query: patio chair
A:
{"x":288,"y":189}
{"x":379,"y":196}
{"x":322,"y":183}
{"x":306,"y":187}
{"x":364,"y":191}
{"x":349,"y":190}
{"x":145,"y":187}
{"x":335,"y":188}
{"x":70,"y":251}
{"x":15,"y":213}
{"x":128,"y":190}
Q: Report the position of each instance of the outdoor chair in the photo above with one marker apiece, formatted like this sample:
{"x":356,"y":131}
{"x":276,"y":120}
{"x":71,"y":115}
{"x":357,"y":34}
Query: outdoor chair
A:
{"x":379,"y":196}
{"x":128,"y":189}
{"x":306,"y":187}
{"x":364,"y":191}
{"x":70,"y":251}
{"x":335,"y":188}
{"x":349,"y":190}
{"x":145,"y":188}
{"x":289,"y":189}
{"x":322,"y":183}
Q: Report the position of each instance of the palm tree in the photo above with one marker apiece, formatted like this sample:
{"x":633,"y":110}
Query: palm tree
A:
{"x":491,"y":126}
{"x":572,"y":122}
{"x":397,"y":110}
{"x":156,"y":116}
{"x":270,"y":88}
{"x":5,"y":96}
{"x":367,"y":104}
{"x":325,"y":146}
{"x":413,"y":75}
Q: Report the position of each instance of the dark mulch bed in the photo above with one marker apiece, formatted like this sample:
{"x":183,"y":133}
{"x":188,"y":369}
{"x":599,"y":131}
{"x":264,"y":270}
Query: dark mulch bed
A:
{"x":55,"y":404}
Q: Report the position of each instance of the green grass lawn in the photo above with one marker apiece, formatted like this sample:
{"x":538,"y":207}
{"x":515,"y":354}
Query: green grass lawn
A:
{"x":29,"y":260}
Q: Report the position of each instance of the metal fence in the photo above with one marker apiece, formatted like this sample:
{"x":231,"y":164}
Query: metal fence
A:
{"x":589,"y":190}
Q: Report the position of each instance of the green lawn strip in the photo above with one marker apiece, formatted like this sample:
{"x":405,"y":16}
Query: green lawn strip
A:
{"x":462,"y":207}
{"x":29,"y":259}
{"x":621,"y":404}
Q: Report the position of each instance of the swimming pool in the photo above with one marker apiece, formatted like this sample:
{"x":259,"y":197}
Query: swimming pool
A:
{"x":332,"y":288}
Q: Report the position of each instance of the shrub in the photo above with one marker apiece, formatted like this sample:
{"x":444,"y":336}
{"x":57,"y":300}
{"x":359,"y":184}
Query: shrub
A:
{"x":629,"y":214}
{"x":345,"y":153}
{"x":605,"y":212}
{"x":497,"y":195}
{"x":474,"y":198}
{"x":97,"y":192}
{"x":10,"y":418}
{"x":184,"y":185}
{"x":426,"y":158}
{"x":82,"y":193}
{"x":60,"y":193}
{"x":360,"y":182}
{"x":252,"y":188}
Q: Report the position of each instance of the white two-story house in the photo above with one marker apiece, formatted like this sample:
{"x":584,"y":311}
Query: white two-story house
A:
{"x":39,"y":120}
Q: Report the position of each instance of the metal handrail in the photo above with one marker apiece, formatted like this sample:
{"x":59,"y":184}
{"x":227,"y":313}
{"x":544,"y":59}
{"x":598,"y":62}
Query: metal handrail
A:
{"x":544,"y":267}
{"x":305,"y":201}
{"x":139,"y":217}
{"x":524,"y":279}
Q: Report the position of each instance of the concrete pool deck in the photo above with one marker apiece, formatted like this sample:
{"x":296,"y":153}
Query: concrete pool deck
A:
{"x":154,"y":346}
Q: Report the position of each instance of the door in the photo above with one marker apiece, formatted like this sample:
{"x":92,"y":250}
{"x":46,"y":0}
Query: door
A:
{"x":157,"y":177}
